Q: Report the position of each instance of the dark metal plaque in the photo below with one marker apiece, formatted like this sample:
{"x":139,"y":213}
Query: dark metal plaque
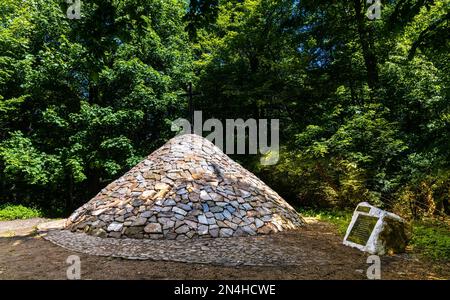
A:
{"x":363,"y":209}
{"x":362,"y":229}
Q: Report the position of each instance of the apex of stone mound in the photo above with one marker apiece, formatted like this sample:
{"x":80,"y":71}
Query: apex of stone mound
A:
{"x":188,"y":188}
{"x":191,"y":144}
{"x":191,"y":137}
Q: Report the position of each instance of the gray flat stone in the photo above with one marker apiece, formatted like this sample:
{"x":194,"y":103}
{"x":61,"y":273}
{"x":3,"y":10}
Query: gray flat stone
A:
{"x":202,"y":219}
{"x":153,"y":228}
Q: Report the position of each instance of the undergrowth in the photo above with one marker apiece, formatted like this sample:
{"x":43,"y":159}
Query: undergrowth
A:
{"x":14,"y":212}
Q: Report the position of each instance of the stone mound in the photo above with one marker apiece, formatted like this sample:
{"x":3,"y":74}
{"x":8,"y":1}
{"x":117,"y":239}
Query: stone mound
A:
{"x":188,"y":188}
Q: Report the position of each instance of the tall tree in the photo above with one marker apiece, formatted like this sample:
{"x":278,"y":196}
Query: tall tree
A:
{"x":92,"y":96}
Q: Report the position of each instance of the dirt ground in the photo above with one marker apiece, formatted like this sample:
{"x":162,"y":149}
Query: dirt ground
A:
{"x":27,"y":256}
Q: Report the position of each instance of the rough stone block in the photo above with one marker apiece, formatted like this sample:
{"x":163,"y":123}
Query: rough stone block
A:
{"x":377,"y":231}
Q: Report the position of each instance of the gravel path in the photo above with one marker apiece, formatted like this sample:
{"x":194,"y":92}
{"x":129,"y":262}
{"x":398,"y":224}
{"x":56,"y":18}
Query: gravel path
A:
{"x":268,"y":250}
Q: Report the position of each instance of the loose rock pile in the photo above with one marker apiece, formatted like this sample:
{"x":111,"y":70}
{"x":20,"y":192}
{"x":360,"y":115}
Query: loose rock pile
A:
{"x":186,"y":189}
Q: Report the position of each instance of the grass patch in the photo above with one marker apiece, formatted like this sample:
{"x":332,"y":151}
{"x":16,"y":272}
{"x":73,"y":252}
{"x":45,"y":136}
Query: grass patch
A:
{"x":13,"y":212}
{"x":340,"y":219}
{"x":431,"y":239}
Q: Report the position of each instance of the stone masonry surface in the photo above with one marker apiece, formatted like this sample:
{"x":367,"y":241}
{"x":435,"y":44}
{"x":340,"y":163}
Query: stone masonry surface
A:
{"x":186,"y":189}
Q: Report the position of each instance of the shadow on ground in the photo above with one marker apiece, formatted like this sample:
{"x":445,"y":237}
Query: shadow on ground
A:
{"x":31,"y":257}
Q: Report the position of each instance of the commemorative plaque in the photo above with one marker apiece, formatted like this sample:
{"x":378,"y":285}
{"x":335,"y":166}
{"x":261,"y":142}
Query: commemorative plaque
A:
{"x":362,"y":229}
{"x":376,"y":231}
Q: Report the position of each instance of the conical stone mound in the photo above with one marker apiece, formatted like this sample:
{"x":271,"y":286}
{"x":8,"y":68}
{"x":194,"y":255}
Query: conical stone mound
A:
{"x":188,"y":188}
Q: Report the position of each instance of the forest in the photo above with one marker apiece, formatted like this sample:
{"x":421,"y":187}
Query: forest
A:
{"x":363,"y":103}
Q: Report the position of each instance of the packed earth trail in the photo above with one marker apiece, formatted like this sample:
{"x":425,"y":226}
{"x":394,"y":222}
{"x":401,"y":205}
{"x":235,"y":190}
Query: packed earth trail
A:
{"x":29,"y":256}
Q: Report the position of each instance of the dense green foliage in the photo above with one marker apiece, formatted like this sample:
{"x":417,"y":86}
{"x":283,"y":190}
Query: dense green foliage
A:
{"x":83,"y":100}
{"x":363,"y":104}
{"x":14,"y":212}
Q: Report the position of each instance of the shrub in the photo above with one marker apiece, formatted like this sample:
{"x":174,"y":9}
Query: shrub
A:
{"x":13,"y":212}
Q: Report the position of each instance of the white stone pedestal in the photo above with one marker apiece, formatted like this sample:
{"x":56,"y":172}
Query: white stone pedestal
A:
{"x":376,"y":231}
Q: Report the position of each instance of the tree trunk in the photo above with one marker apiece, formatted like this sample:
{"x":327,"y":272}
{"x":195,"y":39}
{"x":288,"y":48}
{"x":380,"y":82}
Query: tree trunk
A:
{"x":69,"y":201}
{"x":367,"y":46}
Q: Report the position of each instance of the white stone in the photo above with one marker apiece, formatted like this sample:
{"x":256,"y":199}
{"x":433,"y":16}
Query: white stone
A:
{"x":245,"y":194}
{"x":99,"y":211}
{"x":202,"y":219}
{"x":148,"y":194}
{"x":115,"y":227}
{"x":161,"y":186}
{"x":204,"y":195}
{"x":191,"y":224}
{"x":202,"y":229}
{"x":179,"y":211}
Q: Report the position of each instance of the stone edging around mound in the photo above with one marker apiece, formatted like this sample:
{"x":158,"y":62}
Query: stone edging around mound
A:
{"x":251,"y":251}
